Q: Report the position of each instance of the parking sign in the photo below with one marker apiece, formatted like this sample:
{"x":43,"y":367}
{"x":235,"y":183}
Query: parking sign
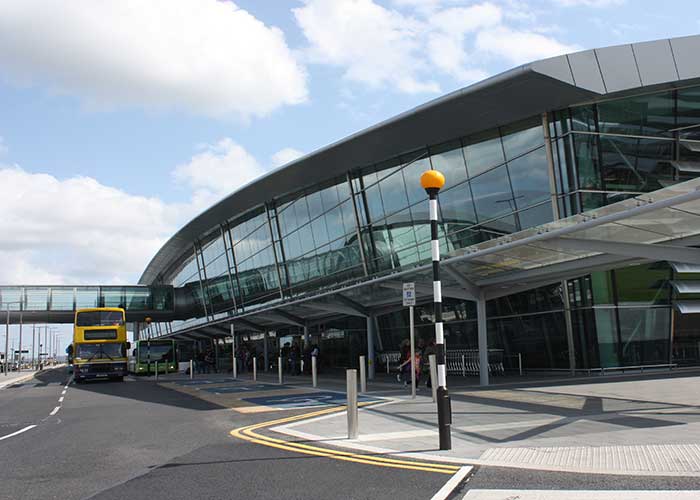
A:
{"x":409,"y":294}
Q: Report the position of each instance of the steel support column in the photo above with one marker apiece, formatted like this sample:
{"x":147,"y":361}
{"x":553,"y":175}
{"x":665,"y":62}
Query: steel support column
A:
{"x":569,"y":327}
{"x":371,"y":333}
{"x":483,"y":340}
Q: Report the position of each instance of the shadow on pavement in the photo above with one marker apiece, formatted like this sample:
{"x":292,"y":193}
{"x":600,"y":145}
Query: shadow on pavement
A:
{"x":147,"y":391}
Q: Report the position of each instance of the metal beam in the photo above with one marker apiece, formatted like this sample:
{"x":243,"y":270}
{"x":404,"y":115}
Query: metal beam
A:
{"x":335,"y":307}
{"x":469,"y":286}
{"x":284,"y":317}
{"x":636,"y":250}
{"x":249,"y":325}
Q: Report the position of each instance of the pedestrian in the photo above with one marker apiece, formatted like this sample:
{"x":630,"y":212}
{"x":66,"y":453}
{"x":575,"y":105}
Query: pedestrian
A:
{"x":429,"y":349}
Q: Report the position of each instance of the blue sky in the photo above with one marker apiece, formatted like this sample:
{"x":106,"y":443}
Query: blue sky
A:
{"x":119,"y":121}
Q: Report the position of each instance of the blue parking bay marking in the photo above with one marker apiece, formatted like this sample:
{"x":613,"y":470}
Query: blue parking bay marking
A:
{"x":244,"y":388}
{"x":306,"y":400}
{"x":206,"y":381}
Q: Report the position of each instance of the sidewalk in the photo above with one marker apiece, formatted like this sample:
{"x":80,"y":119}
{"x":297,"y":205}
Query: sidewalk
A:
{"x":15,"y":377}
{"x":628,"y":425}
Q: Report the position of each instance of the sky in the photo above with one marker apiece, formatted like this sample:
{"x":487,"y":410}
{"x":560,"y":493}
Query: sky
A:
{"x":121,"y":120}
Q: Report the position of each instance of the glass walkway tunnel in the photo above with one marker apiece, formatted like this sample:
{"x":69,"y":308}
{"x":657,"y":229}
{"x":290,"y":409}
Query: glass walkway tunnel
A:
{"x":57,"y":304}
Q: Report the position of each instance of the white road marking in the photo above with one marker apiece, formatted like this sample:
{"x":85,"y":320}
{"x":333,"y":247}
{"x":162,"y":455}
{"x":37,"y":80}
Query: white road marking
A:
{"x":452,"y":483}
{"x":60,"y":400}
{"x":18,"y":432}
{"x":578,"y":495}
{"x":64,"y":391}
{"x":54,"y":411}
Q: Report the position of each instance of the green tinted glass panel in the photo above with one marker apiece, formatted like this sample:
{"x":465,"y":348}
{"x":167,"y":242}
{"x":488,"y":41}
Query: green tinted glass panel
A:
{"x":586,"y":152}
{"x":522,"y":137}
{"x":87,"y":297}
{"x":649,"y":115}
{"x":631,"y":164}
{"x":37,"y":299}
{"x":530,"y":178}
{"x":449,"y":159}
{"x":483,"y":153}
{"x":492,"y":194}
{"x":61,"y":299}
{"x":643,"y":284}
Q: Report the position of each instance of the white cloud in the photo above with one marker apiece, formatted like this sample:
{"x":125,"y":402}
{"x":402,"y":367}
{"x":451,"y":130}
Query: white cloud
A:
{"x":76,"y":230}
{"x":519,"y":47}
{"x":376,"y":46}
{"x":79,"y":231}
{"x":408,"y":47}
{"x":589,"y":3}
{"x":446,"y":42}
{"x":284,"y":156}
{"x":217,"y":171}
{"x":204,"y":56}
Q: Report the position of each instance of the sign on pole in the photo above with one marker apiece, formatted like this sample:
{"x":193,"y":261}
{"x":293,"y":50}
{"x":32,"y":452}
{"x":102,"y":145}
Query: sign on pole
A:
{"x":409,"y":294}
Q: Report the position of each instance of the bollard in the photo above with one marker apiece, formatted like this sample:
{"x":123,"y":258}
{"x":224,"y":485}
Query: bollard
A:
{"x":191,"y":370}
{"x":255,"y":369}
{"x":433,"y":376}
{"x":520,"y":364}
{"x":279,"y":369}
{"x":314,"y":377}
{"x":351,"y":386}
{"x":464,"y":367}
{"x":301,"y":365}
{"x":156,"y":371}
{"x":167,"y":368}
{"x":363,"y":375}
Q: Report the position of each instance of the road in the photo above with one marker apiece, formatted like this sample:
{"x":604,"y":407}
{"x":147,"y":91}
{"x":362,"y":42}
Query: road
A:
{"x":141,"y":440}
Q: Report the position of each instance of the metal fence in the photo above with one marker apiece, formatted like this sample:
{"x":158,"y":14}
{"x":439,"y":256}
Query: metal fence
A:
{"x":464,"y":361}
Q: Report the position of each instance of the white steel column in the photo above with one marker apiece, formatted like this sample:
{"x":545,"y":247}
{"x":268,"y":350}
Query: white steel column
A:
{"x":483,"y":340}
{"x":371,"y":332}
{"x":265,"y":353}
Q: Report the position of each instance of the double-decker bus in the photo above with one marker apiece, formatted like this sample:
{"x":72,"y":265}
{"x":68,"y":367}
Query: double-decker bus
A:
{"x":151,"y":353}
{"x":99,"y":348}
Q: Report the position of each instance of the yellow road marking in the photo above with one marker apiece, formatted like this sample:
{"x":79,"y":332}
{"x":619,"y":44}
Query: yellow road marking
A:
{"x":248,"y":433}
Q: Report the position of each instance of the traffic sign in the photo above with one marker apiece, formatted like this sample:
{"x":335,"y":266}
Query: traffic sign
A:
{"x":409,"y":294}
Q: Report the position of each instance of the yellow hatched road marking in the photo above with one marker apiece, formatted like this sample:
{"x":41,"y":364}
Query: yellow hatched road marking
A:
{"x":248,"y":434}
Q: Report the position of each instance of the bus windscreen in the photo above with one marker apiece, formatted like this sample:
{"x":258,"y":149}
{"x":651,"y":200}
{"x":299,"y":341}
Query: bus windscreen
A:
{"x":101,"y":351}
{"x":99,"y":318}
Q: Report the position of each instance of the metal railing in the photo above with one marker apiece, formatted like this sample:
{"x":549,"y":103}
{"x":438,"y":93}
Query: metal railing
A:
{"x":463,"y":361}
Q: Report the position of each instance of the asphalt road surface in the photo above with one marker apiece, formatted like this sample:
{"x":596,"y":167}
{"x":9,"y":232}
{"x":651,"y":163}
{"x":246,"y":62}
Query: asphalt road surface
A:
{"x":137,"y":439}
{"x":112,"y":440}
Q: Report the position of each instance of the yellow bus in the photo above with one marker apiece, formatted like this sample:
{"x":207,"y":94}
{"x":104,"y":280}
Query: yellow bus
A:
{"x":99,"y":348}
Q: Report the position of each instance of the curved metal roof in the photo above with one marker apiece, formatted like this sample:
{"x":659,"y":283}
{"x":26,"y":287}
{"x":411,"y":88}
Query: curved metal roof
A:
{"x":519,"y":93}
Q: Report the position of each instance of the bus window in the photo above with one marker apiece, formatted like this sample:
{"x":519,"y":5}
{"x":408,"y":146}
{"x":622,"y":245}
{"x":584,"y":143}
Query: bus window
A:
{"x":100,"y":318}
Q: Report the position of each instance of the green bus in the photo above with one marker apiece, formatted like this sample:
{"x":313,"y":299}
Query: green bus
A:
{"x":149,"y":352}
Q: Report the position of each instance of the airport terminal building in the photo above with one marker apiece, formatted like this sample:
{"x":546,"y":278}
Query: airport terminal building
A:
{"x":568,"y":225}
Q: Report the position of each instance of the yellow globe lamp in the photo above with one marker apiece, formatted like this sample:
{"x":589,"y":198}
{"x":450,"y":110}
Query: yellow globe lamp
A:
{"x":432,"y":180}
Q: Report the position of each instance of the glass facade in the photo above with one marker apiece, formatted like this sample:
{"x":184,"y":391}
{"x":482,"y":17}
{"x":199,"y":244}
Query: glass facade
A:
{"x":374,"y":220}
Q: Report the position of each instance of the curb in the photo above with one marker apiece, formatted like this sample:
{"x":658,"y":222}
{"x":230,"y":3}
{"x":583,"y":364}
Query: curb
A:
{"x":17,"y":380}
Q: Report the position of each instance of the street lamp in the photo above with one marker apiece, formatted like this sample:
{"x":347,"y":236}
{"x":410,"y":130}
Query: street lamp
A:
{"x":7,"y":330}
{"x":432,"y":181}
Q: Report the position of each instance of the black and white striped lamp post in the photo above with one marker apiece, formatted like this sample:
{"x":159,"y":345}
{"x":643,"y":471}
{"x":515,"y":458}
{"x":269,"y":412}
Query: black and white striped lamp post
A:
{"x":432,"y":181}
